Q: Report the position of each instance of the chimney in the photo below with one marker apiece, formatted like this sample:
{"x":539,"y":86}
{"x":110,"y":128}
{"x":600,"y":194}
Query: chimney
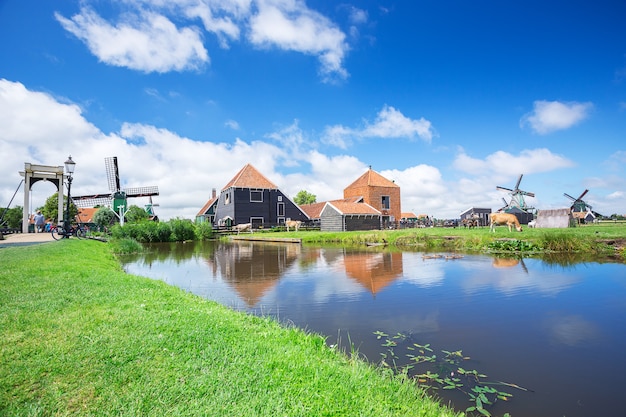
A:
{"x":214,"y":193}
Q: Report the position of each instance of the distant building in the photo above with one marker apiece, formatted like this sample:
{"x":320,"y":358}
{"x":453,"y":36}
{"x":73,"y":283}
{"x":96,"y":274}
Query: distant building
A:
{"x":380,"y":193}
{"x":477,"y":213}
{"x":251,"y":198}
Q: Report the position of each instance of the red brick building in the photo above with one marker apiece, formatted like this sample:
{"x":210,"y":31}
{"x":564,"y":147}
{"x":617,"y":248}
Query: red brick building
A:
{"x":378,"y":192}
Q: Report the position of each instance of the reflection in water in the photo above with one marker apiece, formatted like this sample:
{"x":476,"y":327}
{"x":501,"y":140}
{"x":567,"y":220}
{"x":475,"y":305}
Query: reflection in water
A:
{"x":545,"y":326}
{"x":373,"y":270}
{"x":253,"y":269}
{"x":570,"y":330}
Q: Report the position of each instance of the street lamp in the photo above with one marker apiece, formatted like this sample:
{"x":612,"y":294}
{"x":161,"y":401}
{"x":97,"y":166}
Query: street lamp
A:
{"x":69,"y":168}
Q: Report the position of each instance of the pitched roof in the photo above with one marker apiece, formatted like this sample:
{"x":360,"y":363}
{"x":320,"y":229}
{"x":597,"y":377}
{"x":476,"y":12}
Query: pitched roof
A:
{"x":373,"y":179}
{"x":313,"y":210}
{"x":207,"y":206}
{"x":250,"y":177}
{"x":345,"y":207}
{"x":409,"y":215}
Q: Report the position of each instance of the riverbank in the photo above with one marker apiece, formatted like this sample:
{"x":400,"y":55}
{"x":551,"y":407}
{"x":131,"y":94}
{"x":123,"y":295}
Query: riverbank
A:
{"x":81,"y":337}
{"x":600,"y":241}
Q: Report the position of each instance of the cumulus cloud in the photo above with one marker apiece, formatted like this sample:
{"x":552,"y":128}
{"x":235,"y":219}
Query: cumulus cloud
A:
{"x":550,"y":116}
{"x":503,"y":163}
{"x":290,"y":25}
{"x":147,"y":39}
{"x":390,"y":123}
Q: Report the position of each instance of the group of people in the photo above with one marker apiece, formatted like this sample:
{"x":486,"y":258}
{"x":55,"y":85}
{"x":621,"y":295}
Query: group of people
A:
{"x":41,"y":225}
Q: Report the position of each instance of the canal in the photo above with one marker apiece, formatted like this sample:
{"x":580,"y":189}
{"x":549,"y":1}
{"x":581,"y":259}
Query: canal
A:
{"x":548,"y":337}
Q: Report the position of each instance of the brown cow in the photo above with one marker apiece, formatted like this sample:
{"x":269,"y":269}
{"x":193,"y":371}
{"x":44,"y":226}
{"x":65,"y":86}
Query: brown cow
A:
{"x":293,"y":223}
{"x":503,"y":218}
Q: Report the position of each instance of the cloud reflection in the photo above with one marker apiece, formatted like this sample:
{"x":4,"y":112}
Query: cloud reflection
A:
{"x":571,"y":330}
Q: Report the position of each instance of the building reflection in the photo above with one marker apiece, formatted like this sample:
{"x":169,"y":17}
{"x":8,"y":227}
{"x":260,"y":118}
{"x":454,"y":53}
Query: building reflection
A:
{"x":373,"y":270}
{"x":252,"y":269}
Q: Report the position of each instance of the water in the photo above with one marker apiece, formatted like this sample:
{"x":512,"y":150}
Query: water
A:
{"x":556,"y":330}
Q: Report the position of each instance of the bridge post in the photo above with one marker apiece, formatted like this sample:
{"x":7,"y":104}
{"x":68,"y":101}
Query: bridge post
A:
{"x":33,"y":173}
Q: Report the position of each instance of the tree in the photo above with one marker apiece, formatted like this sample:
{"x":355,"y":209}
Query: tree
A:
{"x":304,"y":197}
{"x":12,"y":217}
{"x":135,"y":214}
{"x":103,"y":217}
{"x":50,"y":210}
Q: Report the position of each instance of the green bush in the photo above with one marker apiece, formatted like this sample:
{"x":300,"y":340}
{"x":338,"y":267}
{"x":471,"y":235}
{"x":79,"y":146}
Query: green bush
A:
{"x":125,"y":246}
{"x":182,"y":230}
{"x":204,"y":231}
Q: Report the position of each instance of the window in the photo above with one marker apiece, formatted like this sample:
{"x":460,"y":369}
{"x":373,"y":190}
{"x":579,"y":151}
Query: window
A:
{"x":227,"y":198}
{"x":256,"y":196}
{"x":385,"y":202}
{"x":280,"y":209}
{"x":280,"y":198}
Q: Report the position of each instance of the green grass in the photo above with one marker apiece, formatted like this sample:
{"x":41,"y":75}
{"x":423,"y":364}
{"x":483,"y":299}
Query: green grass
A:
{"x":81,"y":337}
{"x":594,"y":240}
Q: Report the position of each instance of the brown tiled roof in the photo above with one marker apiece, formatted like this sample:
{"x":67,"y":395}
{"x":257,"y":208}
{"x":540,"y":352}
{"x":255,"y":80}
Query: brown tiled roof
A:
{"x":373,"y":179}
{"x":345,"y":207}
{"x":408,"y":215}
{"x":313,"y":210}
{"x":249,"y":177}
{"x":85,"y":215}
{"x":206,"y":207}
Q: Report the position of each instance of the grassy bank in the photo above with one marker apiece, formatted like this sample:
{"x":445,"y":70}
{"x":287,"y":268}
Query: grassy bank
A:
{"x":602,"y":240}
{"x":81,"y":337}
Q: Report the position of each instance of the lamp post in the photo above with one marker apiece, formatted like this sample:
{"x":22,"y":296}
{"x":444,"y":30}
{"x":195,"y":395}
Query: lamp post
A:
{"x":69,"y":168}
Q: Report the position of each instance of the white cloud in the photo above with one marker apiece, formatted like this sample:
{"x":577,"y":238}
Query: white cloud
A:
{"x":504,"y":164}
{"x":290,"y":25}
{"x":38,"y":128}
{"x":146,"y":41}
{"x":549,"y":116}
{"x":232,"y":124}
{"x":389,"y":124}
{"x":149,"y":41}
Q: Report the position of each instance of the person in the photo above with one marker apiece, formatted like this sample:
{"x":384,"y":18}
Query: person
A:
{"x":39,"y":222}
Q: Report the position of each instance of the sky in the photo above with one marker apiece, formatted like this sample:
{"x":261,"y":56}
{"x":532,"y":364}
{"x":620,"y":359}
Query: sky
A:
{"x":448,"y":99}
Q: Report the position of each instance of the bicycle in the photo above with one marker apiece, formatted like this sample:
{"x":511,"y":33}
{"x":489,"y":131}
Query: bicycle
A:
{"x":58,"y":232}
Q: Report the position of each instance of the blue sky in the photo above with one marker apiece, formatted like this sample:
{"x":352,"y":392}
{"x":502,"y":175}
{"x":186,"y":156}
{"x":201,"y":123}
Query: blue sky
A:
{"x":448,"y":99}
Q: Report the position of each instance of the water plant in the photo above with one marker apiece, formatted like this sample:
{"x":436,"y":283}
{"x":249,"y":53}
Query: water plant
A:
{"x":445,"y":372}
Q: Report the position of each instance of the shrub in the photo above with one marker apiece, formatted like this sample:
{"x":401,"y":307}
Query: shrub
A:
{"x":204,"y":231}
{"x":125,"y":246}
{"x":182,"y":230}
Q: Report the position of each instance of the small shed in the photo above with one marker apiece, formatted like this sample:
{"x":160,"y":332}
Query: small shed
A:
{"x":556,"y":218}
{"x":477,"y":213}
{"x":343,"y":216}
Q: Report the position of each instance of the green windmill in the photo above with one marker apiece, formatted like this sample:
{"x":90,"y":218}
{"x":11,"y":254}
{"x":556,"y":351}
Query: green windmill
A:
{"x":117,"y":198}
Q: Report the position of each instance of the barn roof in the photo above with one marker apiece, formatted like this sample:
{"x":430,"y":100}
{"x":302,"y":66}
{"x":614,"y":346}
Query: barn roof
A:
{"x":207,"y":206}
{"x":345,"y":207}
{"x":250,"y":177}
{"x":314,"y":211}
{"x":373,"y":179}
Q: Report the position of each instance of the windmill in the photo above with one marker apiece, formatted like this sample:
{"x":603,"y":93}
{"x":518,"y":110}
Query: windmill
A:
{"x":517,"y":197}
{"x":116,"y":198}
{"x":578,"y":204}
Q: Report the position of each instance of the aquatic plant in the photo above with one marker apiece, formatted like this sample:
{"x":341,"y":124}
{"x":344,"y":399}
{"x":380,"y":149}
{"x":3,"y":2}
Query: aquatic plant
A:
{"x":445,"y":372}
